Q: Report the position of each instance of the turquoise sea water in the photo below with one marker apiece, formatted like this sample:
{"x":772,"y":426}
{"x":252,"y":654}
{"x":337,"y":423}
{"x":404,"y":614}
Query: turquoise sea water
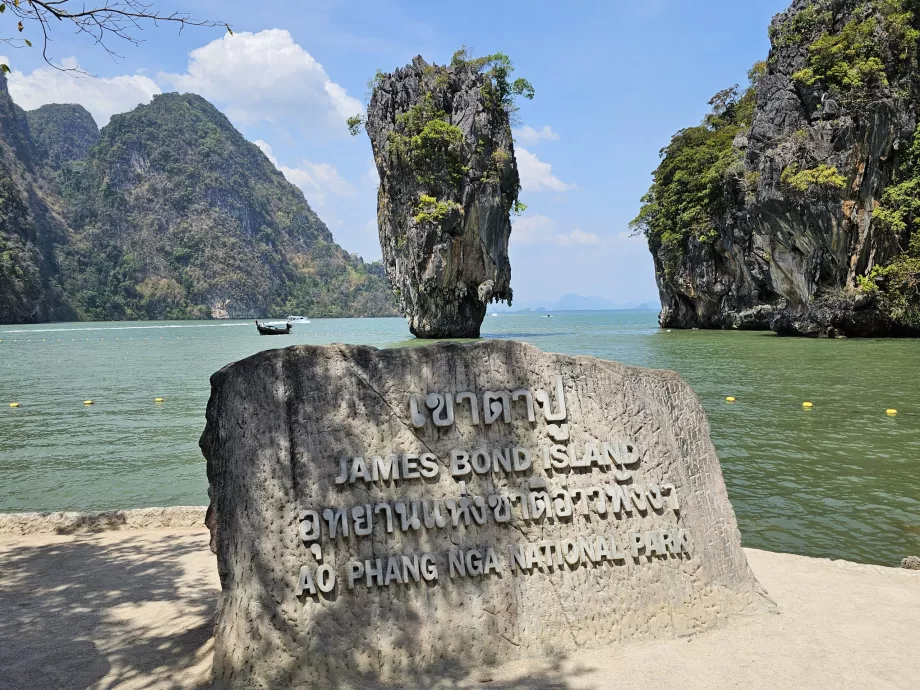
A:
{"x":841,"y":480}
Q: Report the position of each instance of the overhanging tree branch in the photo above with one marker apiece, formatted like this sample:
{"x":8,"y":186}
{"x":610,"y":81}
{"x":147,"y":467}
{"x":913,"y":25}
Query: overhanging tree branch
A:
{"x":110,"y":19}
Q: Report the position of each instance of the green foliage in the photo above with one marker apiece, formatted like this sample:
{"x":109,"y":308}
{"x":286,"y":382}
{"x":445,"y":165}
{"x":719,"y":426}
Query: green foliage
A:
{"x":901,"y":280}
{"x":867,"y":284}
{"x":426,"y":141}
{"x":899,"y":211}
{"x":61,"y":133}
{"x":898,"y":282}
{"x":498,"y":164}
{"x":751,"y":178}
{"x":355,"y":123}
{"x":873,"y":49}
{"x":799,"y":26}
{"x":518,"y":207}
{"x":431,"y":210}
{"x":692,"y":183}
{"x":426,"y":144}
{"x":822,"y":176}
{"x":375,"y":81}
{"x":497,"y":67}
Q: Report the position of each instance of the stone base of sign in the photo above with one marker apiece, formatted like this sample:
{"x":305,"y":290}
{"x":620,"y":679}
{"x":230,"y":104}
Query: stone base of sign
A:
{"x":619,"y":524}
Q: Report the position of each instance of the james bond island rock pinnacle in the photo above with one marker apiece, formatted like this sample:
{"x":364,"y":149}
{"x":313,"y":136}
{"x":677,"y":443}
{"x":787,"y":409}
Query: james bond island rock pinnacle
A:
{"x":419,"y":514}
{"x":794,"y":205}
{"x":442,"y":144}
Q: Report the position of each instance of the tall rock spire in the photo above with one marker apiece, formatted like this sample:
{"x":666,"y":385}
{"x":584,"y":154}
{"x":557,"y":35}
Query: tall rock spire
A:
{"x":442,"y":144}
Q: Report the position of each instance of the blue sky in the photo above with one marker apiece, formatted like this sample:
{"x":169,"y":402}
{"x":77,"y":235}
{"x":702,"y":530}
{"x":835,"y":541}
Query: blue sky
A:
{"x":613,"y":80}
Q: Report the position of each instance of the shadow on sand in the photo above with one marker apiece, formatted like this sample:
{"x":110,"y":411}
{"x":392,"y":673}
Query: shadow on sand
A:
{"x":108,"y":612}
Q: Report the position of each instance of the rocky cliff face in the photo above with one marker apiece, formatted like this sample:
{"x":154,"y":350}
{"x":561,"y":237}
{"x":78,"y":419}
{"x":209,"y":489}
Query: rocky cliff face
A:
{"x":801,"y":227}
{"x":182,"y":217}
{"x":30,"y":224}
{"x":448,"y":181}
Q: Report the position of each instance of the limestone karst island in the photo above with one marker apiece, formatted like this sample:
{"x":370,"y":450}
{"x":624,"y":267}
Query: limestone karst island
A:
{"x":526,"y":345}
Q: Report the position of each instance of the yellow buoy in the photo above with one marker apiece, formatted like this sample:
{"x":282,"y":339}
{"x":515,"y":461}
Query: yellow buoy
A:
{"x":14,"y":404}
{"x":807,"y":405}
{"x":891,"y":412}
{"x":729,"y":399}
{"x":88,"y":402}
{"x":158,"y":400}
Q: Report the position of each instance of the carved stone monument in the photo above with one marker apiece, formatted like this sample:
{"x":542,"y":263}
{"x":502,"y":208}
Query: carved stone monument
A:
{"x":404,"y":515}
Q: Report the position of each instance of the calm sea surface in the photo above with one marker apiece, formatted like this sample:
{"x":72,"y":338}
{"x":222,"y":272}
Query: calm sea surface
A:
{"x":841,"y":480}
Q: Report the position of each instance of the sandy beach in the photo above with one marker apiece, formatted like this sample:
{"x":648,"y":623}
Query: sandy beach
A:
{"x":126,"y":602}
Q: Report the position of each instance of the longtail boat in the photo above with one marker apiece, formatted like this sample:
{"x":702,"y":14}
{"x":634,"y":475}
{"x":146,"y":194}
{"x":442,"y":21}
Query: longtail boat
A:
{"x":265,"y":329}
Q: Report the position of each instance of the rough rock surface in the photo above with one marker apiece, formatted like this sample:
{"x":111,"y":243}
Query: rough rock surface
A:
{"x":911,"y":563}
{"x":30,"y":224}
{"x":788,"y":260}
{"x":447,"y":269}
{"x":280,"y":422}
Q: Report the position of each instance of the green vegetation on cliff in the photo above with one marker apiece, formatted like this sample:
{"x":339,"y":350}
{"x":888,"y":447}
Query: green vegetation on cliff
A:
{"x":897,"y":284}
{"x":61,"y":133}
{"x":699,"y":169}
{"x":20,"y":259}
{"x":29,"y":224}
{"x":870,"y":51}
{"x":822,"y":176}
{"x":425,"y":141}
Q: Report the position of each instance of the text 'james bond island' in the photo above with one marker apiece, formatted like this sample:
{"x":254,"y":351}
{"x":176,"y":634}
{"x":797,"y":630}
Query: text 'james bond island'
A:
{"x":379,"y":514}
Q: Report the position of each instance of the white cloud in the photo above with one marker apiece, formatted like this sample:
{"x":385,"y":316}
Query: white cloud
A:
{"x":539,"y":229}
{"x":537,"y":176}
{"x":577,"y":236}
{"x":102,"y":97}
{"x":316,"y":180}
{"x":532,"y":229}
{"x":267,"y":77}
{"x":529,"y":135}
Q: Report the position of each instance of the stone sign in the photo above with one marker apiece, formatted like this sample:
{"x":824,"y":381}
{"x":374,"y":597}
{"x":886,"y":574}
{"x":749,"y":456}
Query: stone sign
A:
{"x":402,"y":515}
